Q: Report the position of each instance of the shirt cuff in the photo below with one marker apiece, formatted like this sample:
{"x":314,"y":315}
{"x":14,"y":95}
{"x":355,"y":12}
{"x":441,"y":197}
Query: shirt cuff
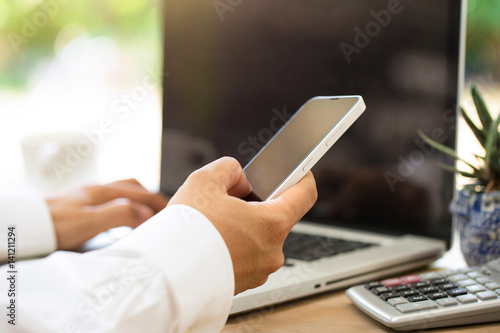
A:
{"x":194,"y":260}
{"x":27,"y":211}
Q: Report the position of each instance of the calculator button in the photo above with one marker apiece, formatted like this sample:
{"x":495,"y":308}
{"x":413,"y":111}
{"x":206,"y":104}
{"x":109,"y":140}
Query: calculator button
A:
{"x":411,"y":279}
{"x":430,"y":276}
{"x":447,"y":273}
{"x":439,"y":281}
{"x":475,"y":288}
{"x":380,"y":290}
{"x":447,"y":301}
{"x":447,"y":286}
{"x":386,"y":296}
{"x":401,"y":287}
{"x":417,"y":298}
{"x":417,"y":306}
{"x":485,"y":295}
{"x":392,"y":282}
{"x":374,"y":284}
{"x":437,"y":295}
{"x":483,"y":280}
{"x":429,"y":289}
{"x":397,"y":300}
{"x":408,"y":293}
{"x":420,"y":284}
{"x":467,"y":282}
{"x":467,"y":298}
{"x":492,"y":285}
{"x":474,"y":274}
{"x":457,"y":277}
{"x":456,"y":292}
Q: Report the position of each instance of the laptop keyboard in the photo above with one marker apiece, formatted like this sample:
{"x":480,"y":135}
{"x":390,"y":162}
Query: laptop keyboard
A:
{"x":312,"y":247}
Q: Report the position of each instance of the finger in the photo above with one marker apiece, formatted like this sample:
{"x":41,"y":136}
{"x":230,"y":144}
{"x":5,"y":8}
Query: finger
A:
{"x":227,"y":173}
{"x":297,"y":200}
{"x":120,"y":212}
{"x":104,"y":193}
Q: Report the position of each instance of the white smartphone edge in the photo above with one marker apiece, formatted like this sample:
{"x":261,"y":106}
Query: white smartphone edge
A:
{"x":322,"y":147}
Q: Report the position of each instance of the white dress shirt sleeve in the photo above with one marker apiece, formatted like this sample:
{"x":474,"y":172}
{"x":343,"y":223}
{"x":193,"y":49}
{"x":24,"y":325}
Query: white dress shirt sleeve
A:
{"x":172,"y":274}
{"x":27,"y":211}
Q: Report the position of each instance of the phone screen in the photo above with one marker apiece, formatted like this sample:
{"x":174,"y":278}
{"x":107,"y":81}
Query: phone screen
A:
{"x":293,"y":142}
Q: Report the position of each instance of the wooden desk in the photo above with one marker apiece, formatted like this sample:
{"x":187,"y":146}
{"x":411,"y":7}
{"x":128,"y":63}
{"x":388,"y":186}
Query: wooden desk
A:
{"x":331,"y":312}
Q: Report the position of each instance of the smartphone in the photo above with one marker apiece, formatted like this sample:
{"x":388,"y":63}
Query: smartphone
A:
{"x":300,"y":143}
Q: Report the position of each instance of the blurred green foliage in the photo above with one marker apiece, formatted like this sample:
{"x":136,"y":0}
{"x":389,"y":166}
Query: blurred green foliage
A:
{"x":32,"y":31}
{"x":483,"y":37}
{"x":136,"y":23}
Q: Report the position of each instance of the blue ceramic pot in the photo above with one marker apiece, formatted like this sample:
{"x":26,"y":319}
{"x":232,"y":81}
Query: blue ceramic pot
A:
{"x":478,"y":221}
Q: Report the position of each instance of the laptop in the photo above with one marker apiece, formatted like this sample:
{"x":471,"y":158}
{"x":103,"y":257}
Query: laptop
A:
{"x":237,"y":70}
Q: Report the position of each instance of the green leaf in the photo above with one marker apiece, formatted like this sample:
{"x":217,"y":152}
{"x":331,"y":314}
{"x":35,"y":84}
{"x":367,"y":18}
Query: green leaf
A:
{"x":480,"y":134}
{"x":492,"y":138}
{"x":455,"y":170}
{"x":481,"y":108}
{"x":444,"y":149}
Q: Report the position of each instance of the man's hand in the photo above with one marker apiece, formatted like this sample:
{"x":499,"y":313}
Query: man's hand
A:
{"x":82,"y":214}
{"x":254,"y":232}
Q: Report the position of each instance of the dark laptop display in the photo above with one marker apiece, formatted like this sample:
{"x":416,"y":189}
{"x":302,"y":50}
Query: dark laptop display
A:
{"x":237,"y":70}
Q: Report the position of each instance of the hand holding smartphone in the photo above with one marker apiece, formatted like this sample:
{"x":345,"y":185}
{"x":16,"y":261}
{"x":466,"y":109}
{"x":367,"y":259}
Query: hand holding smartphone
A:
{"x":300,"y":143}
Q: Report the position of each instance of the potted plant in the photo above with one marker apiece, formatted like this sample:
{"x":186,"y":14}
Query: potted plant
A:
{"x":476,"y":207}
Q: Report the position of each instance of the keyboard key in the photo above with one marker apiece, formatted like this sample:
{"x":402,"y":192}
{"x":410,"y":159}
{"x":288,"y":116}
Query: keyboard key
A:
{"x":492,"y":285}
{"x":397,"y":300}
{"x":457,"y":277}
{"x":447,"y":286}
{"x":467,"y":298}
{"x":437,"y":295}
{"x":475,"y":288}
{"x":456,"y":292}
{"x":486,"y":295}
{"x":386,"y":296}
{"x":408,"y":293}
{"x":417,"y":306}
{"x":429,"y":289}
{"x":417,"y":298}
{"x":467,"y":282}
{"x":392,"y":282}
{"x":312,"y":247}
{"x":447,"y":301}
{"x":411,"y":279}
{"x":380,"y":290}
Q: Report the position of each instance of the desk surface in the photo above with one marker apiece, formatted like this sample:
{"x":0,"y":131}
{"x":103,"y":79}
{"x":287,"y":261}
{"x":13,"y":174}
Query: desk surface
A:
{"x":331,"y":312}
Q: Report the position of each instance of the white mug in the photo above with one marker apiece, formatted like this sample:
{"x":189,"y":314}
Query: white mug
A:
{"x":59,"y":159}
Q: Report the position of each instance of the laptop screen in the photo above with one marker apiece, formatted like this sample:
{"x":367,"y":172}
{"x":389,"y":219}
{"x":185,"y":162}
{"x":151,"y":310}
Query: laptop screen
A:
{"x":237,"y":70}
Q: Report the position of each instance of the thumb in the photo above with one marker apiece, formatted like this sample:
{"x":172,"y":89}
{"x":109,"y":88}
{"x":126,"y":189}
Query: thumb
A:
{"x":228,"y":174}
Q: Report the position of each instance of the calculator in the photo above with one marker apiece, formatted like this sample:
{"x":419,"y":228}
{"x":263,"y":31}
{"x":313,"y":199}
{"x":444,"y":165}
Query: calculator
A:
{"x":435,"y":299}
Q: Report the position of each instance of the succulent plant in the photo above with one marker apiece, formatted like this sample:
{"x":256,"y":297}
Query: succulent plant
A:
{"x":487,"y":170}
